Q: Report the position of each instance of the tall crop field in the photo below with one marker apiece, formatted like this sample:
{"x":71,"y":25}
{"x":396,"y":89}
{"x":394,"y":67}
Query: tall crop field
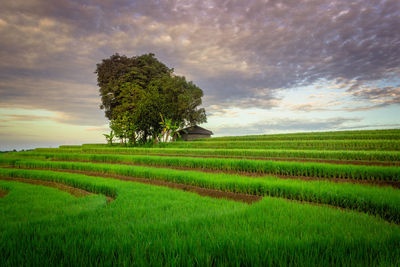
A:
{"x":304,"y":199}
{"x":387,"y":145}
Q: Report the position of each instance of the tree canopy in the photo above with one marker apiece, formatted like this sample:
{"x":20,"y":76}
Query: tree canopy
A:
{"x":138,"y":93}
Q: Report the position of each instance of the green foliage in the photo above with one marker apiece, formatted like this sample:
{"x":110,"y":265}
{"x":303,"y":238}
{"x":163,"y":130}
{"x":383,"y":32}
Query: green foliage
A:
{"x":169,"y":130}
{"x":124,"y":129}
{"x":134,"y":91}
{"x":109,"y":137}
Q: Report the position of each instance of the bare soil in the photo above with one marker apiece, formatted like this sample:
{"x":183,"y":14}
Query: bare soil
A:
{"x":77,"y":192}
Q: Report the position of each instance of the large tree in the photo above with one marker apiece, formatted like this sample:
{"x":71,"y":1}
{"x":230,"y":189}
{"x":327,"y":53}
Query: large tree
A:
{"x":142,"y":91}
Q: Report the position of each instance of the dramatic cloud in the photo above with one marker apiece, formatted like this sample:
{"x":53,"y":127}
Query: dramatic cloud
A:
{"x":15,"y":117}
{"x":243,"y":54}
{"x":287,"y":124}
{"x":230,"y":48}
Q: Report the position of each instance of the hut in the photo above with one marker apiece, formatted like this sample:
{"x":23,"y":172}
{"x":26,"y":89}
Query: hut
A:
{"x":194,"y":132}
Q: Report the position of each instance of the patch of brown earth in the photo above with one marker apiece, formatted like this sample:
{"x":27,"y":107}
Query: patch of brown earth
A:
{"x":77,"y":192}
{"x":394,"y":184}
{"x":3,"y":193}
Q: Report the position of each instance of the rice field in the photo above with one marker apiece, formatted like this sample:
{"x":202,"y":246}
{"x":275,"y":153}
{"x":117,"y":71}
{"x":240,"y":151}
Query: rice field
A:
{"x":306,"y":199}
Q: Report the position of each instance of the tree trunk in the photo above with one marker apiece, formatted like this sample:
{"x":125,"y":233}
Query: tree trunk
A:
{"x":145,"y":136}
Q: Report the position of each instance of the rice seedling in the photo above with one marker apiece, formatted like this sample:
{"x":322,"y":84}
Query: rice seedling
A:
{"x":384,"y":201}
{"x":308,"y":169}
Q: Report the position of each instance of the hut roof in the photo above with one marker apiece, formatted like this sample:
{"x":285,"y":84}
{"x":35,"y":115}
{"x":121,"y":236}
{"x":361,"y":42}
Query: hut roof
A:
{"x":196,"y":130}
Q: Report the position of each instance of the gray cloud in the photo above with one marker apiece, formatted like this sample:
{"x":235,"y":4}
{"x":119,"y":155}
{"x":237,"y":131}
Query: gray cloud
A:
{"x":24,"y":118}
{"x":373,"y":126}
{"x":287,"y":124}
{"x":241,"y":54}
{"x":388,"y":94}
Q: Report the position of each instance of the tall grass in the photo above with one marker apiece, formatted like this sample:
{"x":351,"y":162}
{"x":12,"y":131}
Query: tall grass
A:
{"x":389,"y":145}
{"x":70,"y":146}
{"x":310,"y":136}
{"x":384,"y":156}
{"x":384,"y":202}
{"x":308,"y":169}
{"x":155,"y":226}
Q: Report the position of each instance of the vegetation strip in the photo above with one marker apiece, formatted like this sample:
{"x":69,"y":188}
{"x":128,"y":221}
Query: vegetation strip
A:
{"x":184,"y":187}
{"x":249,"y":199}
{"x":339,"y":135}
{"x":77,"y":192}
{"x":380,"y":201}
{"x":392,"y":136}
{"x":301,"y":169}
{"x":387,"y":145}
{"x":344,"y":155}
{"x":394,"y":184}
{"x":194,"y":189}
{"x":57,"y":181}
{"x":150,"y":225}
{"x":390,"y":159}
{"x":331,"y":161}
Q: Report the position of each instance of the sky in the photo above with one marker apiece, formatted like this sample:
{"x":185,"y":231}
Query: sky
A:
{"x":264,"y":66}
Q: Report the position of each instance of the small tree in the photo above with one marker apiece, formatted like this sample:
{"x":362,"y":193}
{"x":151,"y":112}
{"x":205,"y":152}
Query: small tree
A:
{"x":110,"y":137}
{"x":134,"y":91}
{"x":124,"y":129}
{"x":169,"y":130}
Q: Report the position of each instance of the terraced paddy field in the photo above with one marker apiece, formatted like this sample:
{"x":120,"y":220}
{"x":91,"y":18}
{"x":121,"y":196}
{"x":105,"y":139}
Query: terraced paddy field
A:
{"x":308,"y":199}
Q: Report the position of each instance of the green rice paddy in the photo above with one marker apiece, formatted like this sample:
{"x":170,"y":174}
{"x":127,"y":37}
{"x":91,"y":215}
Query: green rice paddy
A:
{"x":312,"y":213}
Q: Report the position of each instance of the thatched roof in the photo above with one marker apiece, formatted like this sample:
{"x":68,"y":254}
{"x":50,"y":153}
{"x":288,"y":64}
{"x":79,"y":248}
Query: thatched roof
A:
{"x":195,"y":130}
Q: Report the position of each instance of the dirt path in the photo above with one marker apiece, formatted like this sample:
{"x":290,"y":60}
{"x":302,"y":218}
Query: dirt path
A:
{"x":77,"y":192}
{"x":394,"y":184}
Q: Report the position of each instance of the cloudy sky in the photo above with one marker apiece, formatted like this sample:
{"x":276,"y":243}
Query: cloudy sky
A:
{"x":264,"y":66}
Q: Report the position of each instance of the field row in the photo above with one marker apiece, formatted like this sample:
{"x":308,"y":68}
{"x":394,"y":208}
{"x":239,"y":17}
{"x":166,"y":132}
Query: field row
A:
{"x":370,"y":145}
{"x":301,"y":169}
{"x":148,"y":225}
{"x":381,"y":201}
{"x":363,"y":135}
{"x":381,"y":156}
{"x":388,"y":145}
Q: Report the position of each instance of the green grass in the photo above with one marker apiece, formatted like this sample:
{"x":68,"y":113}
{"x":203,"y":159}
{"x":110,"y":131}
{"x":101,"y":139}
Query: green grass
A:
{"x":344,"y":135}
{"x":382,"y":156}
{"x":71,"y":146}
{"x":181,"y":229}
{"x":309,"y":169}
{"x":297,"y":223}
{"x":384,"y":202}
{"x":385,"y":145}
